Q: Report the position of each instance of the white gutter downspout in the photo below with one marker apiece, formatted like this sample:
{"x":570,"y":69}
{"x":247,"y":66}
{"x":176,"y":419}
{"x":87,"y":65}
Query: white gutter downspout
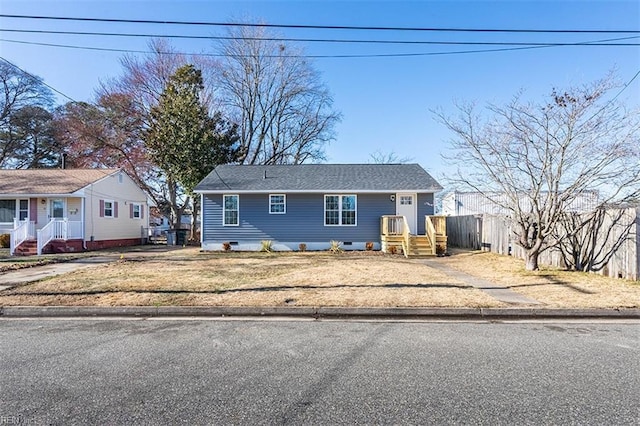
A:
{"x":201,"y":219}
{"x":84,"y":222}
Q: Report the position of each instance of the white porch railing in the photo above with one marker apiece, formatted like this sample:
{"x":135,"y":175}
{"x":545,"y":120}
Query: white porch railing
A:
{"x":22,"y":232}
{"x":58,"y":229}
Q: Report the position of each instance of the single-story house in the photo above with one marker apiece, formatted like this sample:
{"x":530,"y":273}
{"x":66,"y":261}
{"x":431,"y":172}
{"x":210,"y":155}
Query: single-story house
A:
{"x":314,"y":204}
{"x":56,"y":210}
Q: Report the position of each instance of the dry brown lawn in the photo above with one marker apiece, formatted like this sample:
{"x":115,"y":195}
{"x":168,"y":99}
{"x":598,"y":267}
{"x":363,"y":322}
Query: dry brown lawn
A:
{"x":551,"y":286}
{"x":189,"y":277}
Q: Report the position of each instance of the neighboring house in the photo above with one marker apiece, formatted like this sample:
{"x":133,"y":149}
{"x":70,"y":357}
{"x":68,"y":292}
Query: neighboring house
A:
{"x":456,"y":203}
{"x":314,"y":204}
{"x":56,"y":210}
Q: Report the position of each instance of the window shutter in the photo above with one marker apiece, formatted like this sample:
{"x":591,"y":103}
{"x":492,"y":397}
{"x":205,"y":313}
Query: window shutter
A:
{"x":101,"y":208}
{"x":141,"y":211}
{"x":115,"y":209}
{"x":130,"y":211}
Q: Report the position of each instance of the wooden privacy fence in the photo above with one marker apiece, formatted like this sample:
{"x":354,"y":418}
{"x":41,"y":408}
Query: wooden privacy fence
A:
{"x":610,"y":245}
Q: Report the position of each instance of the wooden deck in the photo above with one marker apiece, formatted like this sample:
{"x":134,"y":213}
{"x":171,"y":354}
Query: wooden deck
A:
{"x":396,"y":238}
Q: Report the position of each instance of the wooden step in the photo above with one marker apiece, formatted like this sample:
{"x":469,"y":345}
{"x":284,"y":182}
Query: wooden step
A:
{"x":419,"y":245}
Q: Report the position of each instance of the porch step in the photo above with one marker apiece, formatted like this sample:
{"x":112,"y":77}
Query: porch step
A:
{"x":419,"y":245}
{"x":27,"y":248}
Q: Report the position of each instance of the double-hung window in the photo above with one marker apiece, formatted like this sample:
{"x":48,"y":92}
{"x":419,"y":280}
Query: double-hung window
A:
{"x":230,"y":210}
{"x":277,"y":204}
{"x":108,"y":209}
{"x":136,"y":211}
{"x":340,"y":210}
{"x":23,"y":209}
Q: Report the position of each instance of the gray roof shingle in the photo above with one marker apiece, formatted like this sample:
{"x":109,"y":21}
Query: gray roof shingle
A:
{"x":319,"y":178}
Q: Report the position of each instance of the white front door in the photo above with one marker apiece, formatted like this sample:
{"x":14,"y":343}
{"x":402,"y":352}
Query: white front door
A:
{"x":407,"y":206}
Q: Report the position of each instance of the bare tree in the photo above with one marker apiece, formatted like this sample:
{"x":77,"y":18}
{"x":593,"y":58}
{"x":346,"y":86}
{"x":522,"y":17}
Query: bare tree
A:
{"x":379,"y":157}
{"x":588,"y":241}
{"x":283,"y":110}
{"x":144,"y":78}
{"x":22,"y":94}
{"x":535,"y":159}
{"x":137,"y":91}
{"x":106,"y":134}
{"x":31,"y":127}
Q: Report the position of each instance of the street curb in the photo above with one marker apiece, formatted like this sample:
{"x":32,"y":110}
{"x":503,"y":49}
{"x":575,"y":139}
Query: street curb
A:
{"x":313,"y":312}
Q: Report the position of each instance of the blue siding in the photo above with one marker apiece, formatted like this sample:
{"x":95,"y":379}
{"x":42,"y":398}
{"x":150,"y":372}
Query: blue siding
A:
{"x":425,"y":208}
{"x":304,"y":220}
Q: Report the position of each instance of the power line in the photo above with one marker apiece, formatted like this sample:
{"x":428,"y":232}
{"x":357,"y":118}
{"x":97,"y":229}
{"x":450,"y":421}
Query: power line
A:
{"x":37,"y":78}
{"x":335,"y":56}
{"x":324,"y":40}
{"x":624,"y":87}
{"x":319,"y":27}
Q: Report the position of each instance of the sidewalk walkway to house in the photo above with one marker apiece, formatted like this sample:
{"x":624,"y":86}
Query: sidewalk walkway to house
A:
{"x":498,"y":292}
{"x":25,"y":275}
{"x":35,"y":273}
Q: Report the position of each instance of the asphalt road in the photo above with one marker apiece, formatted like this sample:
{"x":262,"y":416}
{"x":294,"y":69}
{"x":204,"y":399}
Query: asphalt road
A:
{"x":318,"y":372}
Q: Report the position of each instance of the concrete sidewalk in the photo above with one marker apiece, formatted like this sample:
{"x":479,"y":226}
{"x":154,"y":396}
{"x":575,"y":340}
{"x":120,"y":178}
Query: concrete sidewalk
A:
{"x":25,"y":275}
{"x":498,"y":292}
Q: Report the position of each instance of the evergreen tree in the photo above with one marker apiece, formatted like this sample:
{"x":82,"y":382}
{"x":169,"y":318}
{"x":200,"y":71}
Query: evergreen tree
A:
{"x":184,"y":140}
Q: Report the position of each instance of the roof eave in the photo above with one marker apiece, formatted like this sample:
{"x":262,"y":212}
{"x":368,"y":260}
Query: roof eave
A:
{"x":311,"y":191}
{"x":38,"y":195}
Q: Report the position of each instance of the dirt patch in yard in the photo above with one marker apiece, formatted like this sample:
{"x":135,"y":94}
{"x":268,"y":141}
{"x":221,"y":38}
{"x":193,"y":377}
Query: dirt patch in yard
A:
{"x":189,"y":277}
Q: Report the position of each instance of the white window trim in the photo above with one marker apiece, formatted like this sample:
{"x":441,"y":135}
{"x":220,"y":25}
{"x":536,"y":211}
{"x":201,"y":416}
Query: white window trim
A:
{"x":407,"y":197}
{"x":18,"y":209}
{"x":224,"y":209}
{"x":284,"y":201}
{"x":133,"y":214}
{"x":50,"y":210}
{"x":324,"y":217}
{"x":113,"y":208}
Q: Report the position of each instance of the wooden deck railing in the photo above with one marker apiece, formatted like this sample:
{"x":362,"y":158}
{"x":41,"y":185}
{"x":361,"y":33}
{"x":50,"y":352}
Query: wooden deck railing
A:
{"x":435,"y":230}
{"x":431,"y":233}
{"x":392,"y":225}
{"x":395,"y":226}
{"x":440,"y":227}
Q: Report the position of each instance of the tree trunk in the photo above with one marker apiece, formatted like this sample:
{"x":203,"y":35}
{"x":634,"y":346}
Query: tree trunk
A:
{"x":532,"y":260}
{"x":194,"y":216}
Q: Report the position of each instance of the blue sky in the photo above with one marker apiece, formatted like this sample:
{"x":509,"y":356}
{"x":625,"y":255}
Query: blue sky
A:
{"x":385,"y":101}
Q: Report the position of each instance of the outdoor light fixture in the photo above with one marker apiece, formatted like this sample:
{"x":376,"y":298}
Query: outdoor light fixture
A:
{"x":392,"y":197}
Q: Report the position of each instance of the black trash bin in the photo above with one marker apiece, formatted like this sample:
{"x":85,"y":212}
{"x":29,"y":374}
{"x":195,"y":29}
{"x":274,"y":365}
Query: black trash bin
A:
{"x":181,"y":237}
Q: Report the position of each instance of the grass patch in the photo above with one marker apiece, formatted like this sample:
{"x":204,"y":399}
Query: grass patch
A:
{"x":190,"y":277}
